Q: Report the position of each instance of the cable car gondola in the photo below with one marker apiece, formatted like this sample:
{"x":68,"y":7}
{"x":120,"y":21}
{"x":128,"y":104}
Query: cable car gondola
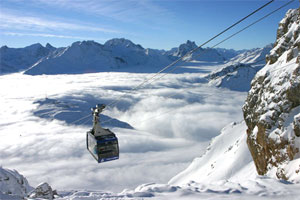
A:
{"x":101,"y":143}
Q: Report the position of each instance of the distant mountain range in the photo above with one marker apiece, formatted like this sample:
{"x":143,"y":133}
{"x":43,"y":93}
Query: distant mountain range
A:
{"x":114,"y":55}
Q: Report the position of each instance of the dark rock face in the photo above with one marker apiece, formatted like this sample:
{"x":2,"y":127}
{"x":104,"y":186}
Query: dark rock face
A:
{"x":272,"y":108}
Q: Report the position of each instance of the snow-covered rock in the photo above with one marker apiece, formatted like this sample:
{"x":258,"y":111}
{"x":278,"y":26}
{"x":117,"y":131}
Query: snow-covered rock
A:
{"x":272,"y":108}
{"x":234,"y":77}
{"x":229,"y":53}
{"x":253,"y":56}
{"x":239,"y":71}
{"x":42,"y":191}
{"x":185,"y":48}
{"x":17,"y":59}
{"x":13,"y":185}
{"x":117,"y":54}
{"x":90,"y":56}
{"x":80,"y":57}
{"x":207,"y":54}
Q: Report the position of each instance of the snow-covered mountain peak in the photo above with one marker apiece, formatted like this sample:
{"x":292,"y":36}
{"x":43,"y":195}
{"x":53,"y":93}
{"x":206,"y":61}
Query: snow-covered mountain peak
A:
{"x":17,"y":59}
{"x":253,"y":56}
{"x":122,"y":42}
{"x":86,"y":44}
{"x":185,"y":48}
{"x":34,"y":46}
{"x":50,"y":47}
{"x":4,"y":47}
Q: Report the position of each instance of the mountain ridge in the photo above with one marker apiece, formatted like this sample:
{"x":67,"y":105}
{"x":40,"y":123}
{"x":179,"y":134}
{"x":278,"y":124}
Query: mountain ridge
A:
{"x":118,"y":54}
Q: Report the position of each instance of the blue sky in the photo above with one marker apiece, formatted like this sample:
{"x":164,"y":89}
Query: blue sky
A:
{"x":159,"y":24}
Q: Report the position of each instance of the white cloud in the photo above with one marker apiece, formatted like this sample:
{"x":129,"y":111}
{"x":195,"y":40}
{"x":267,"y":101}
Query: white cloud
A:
{"x":21,"y":22}
{"x":125,"y":10}
{"x":159,"y":148}
{"x":50,"y":35}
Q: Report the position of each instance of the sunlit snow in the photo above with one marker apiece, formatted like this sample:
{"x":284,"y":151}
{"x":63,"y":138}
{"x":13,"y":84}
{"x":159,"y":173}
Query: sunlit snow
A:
{"x":173,"y":118}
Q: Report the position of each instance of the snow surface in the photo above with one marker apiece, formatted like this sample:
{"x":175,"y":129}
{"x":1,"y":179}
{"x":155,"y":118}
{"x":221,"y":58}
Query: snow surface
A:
{"x":236,"y":77}
{"x":253,"y":56}
{"x":17,"y":59}
{"x":12,"y":184}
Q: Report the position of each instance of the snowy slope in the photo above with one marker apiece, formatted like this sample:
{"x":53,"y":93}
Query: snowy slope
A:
{"x":16,"y":59}
{"x":13,"y":185}
{"x":227,"y":157}
{"x":90,"y":56}
{"x":253,"y":56}
{"x":236,"y":77}
{"x":239,"y":71}
{"x":207,"y":54}
{"x":80,"y":57}
{"x":119,"y":55}
{"x":229,"y":53}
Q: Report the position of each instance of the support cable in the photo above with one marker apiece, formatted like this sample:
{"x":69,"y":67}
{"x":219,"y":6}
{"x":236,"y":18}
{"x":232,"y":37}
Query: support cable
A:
{"x":260,"y":19}
{"x":188,"y":53}
{"x":192,"y":51}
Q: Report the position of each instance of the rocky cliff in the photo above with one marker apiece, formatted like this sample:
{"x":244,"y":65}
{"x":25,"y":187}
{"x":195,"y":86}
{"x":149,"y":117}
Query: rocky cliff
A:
{"x":272,"y":108}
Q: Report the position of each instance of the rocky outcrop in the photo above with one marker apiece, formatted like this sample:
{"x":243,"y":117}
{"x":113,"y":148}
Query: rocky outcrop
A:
{"x":207,"y":54}
{"x":43,"y":191}
{"x":287,"y":34}
{"x":13,"y":184}
{"x":272,"y":108}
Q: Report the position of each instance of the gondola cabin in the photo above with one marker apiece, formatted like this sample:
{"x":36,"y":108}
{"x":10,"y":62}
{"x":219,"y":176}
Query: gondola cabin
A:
{"x":101,"y":143}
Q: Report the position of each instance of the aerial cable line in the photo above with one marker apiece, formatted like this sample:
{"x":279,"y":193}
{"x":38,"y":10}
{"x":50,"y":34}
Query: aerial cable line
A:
{"x":115,"y":102}
{"x":82,"y":118}
{"x":260,"y":19}
{"x":147,"y":80}
{"x":176,"y":109}
{"x":188,"y":53}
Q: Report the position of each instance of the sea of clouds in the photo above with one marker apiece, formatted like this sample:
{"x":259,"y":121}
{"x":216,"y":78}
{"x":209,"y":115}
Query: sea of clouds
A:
{"x":172,"y":120}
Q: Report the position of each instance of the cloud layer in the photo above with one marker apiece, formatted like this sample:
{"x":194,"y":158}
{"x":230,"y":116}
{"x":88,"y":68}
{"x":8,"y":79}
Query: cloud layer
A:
{"x":174,"y":119}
